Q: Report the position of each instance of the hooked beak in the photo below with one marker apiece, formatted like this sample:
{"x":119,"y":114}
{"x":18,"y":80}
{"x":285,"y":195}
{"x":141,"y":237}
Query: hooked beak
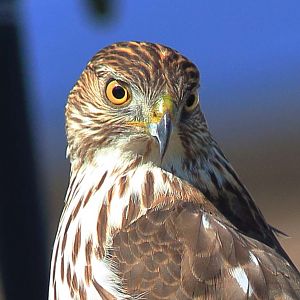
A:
{"x":160,"y":122}
{"x":162,"y":132}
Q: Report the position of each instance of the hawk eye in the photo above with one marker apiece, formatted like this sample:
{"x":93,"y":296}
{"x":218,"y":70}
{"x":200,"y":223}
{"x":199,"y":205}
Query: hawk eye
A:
{"x":117,"y":93}
{"x":191,"y":102}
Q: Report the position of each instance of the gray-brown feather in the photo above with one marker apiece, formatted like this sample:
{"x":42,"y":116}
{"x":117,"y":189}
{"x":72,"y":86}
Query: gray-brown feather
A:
{"x":182,"y":251}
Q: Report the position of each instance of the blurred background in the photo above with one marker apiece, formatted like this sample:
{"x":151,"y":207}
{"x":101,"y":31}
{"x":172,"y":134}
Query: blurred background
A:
{"x":248,"y":53}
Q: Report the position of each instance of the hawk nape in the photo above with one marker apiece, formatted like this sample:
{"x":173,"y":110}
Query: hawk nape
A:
{"x":154,"y":210}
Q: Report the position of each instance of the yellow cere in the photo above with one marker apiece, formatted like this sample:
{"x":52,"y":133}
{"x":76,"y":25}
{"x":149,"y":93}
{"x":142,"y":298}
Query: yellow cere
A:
{"x":161,"y":107}
{"x":156,"y":113}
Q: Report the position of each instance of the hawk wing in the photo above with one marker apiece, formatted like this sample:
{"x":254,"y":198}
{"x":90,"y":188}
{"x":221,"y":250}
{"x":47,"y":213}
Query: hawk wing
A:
{"x":183,"y":251}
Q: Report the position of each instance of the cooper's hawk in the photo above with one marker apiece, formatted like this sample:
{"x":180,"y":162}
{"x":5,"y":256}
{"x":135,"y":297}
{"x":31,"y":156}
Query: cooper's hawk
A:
{"x":154,"y":210}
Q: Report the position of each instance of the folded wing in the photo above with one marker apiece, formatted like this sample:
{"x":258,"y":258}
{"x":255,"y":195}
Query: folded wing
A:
{"x":182,"y":251}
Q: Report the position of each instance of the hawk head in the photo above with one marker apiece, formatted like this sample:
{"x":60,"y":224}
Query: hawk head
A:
{"x":138,"y":98}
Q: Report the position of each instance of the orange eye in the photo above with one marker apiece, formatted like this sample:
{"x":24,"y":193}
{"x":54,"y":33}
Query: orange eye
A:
{"x":191,"y":102}
{"x":117,"y":93}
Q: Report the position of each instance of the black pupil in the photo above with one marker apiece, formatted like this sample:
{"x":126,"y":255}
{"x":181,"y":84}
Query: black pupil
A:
{"x":118,"y":92}
{"x":190,"y":101}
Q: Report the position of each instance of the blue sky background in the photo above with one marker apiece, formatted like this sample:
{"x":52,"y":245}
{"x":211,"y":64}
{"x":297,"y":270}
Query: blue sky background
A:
{"x":248,"y":53}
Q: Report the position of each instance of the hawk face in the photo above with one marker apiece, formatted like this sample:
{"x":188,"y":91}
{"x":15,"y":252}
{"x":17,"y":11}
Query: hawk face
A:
{"x":138,"y":97}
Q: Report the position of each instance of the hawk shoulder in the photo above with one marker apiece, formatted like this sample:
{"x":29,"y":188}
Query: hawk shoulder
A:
{"x":183,"y":251}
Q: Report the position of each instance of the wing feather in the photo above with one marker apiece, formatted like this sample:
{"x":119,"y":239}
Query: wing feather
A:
{"x":182,"y":251}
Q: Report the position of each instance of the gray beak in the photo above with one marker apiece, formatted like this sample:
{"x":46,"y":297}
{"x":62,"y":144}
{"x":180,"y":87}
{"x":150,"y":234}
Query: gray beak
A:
{"x":162,"y":132}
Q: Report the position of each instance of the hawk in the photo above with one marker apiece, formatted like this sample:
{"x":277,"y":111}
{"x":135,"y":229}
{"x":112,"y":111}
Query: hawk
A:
{"x":154,"y":210}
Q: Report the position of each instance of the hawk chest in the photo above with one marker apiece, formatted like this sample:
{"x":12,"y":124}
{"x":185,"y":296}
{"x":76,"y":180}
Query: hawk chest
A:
{"x":98,"y":203}
{"x":79,"y":264}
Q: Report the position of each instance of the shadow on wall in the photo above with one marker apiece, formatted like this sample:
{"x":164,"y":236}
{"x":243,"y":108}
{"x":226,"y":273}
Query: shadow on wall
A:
{"x":23,"y":257}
